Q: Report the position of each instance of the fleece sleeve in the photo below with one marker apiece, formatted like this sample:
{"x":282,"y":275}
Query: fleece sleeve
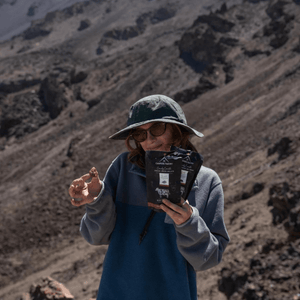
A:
{"x":99,"y":220}
{"x":203,"y":238}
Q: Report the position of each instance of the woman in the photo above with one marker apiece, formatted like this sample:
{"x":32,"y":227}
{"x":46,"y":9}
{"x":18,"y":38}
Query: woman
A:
{"x":177,"y":241}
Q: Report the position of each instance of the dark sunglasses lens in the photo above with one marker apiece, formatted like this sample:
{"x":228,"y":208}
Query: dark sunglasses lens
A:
{"x":139,"y":135}
{"x":158,"y":129}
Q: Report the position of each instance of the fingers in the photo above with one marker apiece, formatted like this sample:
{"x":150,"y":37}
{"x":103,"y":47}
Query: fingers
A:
{"x":93,"y":172}
{"x":178,"y":214}
{"x":77,"y":202}
{"x":85,"y":192}
{"x":156,"y":206}
{"x":85,"y":177}
{"x":76,"y":188}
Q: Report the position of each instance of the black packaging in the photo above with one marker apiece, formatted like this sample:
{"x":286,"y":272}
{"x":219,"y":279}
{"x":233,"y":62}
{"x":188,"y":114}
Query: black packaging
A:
{"x":191,"y":164}
{"x":163,"y":172}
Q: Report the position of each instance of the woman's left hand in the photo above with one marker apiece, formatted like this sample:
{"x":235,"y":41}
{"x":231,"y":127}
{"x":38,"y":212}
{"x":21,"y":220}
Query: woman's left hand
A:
{"x":179,"y":214}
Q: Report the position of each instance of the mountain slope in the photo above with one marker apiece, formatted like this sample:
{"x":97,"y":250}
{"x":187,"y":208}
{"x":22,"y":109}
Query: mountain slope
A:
{"x":236,"y":74}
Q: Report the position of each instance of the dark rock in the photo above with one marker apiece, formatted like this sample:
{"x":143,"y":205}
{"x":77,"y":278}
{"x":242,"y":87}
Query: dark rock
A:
{"x":191,"y":94}
{"x":24,"y":49}
{"x":278,"y":266}
{"x":297,"y":2}
{"x":282,"y":148}
{"x":75,"y":9}
{"x":256,"y":52}
{"x":231,"y":281}
{"x":77,"y":94}
{"x":257,"y":188}
{"x":279,"y":40}
{"x":122,"y":34}
{"x":279,"y":26}
{"x":84,"y":24}
{"x":204,"y":44}
{"x":238,"y":212}
{"x":229,"y":41}
{"x":297,"y":48}
{"x":24,"y":115}
{"x":78,"y":77}
{"x":52,"y":97}
{"x":292,"y":109}
{"x":276,"y":10}
{"x":199,"y":48}
{"x":215,"y":22}
{"x":153,"y":17}
{"x":293,"y":223}
{"x":32,"y":10}
{"x":229,"y":71}
{"x":99,"y":51}
{"x":93,"y":102}
{"x":286,"y":203}
{"x":162,"y":14}
{"x":222,"y":10}
{"x":142,"y":21}
{"x":19,"y":85}
{"x":35,"y":31}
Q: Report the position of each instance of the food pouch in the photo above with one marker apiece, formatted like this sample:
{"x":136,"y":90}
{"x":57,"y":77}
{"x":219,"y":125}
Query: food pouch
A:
{"x":163,"y":172}
{"x":191,"y":164}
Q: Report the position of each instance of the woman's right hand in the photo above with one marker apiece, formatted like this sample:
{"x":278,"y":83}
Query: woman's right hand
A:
{"x":85,"y":192}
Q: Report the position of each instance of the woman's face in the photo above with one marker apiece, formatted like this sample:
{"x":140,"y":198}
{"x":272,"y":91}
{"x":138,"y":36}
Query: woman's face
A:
{"x":158,"y":143}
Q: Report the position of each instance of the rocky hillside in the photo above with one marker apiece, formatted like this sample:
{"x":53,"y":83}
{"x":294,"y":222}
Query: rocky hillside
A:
{"x":66,"y":84}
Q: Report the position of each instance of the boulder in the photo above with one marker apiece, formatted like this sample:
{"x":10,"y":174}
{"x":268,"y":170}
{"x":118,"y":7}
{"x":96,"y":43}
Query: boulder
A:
{"x":205,"y":44}
{"x":279,"y":27}
{"x":286,"y":207}
{"x":48,"y":288}
{"x":52,"y":97}
{"x":122,"y":34}
{"x":34,"y":31}
{"x":191,"y":94}
{"x":23,"y":115}
{"x":282,"y":147}
{"x":77,"y":77}
{"x":215,"y":22}
{"x":84,"y":24}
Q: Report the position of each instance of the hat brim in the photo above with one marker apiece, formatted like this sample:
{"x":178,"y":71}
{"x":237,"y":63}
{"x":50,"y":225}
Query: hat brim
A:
{"x":123,"y":133}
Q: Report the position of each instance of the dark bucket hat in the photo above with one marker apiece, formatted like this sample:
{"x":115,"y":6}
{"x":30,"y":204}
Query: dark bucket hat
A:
{"x":154,"y":108}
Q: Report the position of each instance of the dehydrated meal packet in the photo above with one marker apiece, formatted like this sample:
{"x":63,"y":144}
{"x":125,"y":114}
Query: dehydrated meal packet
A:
{"x":191,"y":164}
{"x":163,"y":176}
{"x":170,"y":175}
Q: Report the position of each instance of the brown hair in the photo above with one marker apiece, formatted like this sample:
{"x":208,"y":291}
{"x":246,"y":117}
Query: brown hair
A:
{"x":180,"y":138}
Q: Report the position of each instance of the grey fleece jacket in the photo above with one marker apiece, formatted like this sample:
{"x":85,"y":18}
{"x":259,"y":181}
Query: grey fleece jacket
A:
{"x":174,"y":252}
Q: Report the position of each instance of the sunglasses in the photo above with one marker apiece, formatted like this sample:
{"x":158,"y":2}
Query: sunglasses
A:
{"x":157,"y":129}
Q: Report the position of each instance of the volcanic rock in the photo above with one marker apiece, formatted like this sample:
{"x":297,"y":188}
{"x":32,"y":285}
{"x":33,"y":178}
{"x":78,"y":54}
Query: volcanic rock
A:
{"x":48,"y":288}
{"x":282,"y":148}
{"x":286,"y":203}
{"x":36,"y":30}
{"x":11,"y":86}
{"x":52,"y":97}
{"x":84,"y":24}
{"x":23,"y":115}
{"x":190,"y":94}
